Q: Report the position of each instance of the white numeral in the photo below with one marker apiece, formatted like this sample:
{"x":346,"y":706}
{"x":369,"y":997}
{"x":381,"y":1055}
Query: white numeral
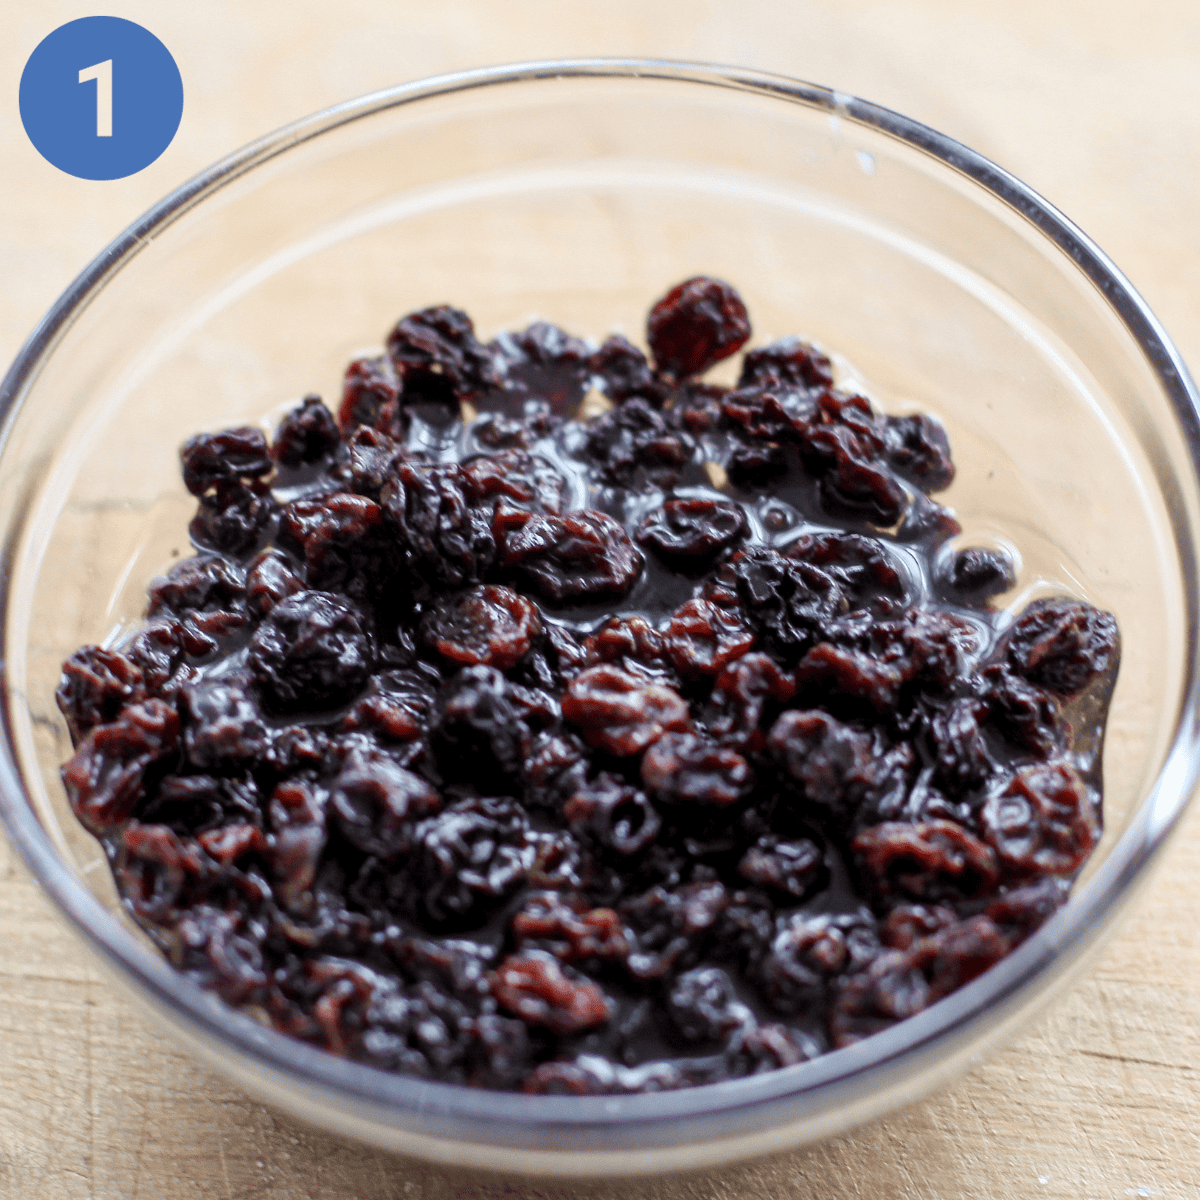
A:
{"x":102,"y":74}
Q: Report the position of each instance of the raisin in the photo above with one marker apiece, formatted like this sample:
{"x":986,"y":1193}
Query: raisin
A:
{"x":630,"y":642}
{"x":1023,"y":910}
{"x":447,"y":541}
{"x":235,"y":455}
{"x":375,"y":803}
{"x":306,"y":435}
{"x":370,"y":396}
{"x":617,"y":815}
{"x":158,"y":869}
{"x":756,"y":466}
{"x":232,"y":519}
{"x":789,"y":601}
{"x":975,"y":576}
{"x":398,"y":707}
{"x":314,"y":650}
{"x":696,"y":324}
{"x":961,"y":760}
{"x":907,"y":923}
{"x":569,"y":928}
{"x":809,"y":954}
{"x":233,"y":843}
{"x":671,"y":928}
{"x":204,"y":583}
{"x":768,"y":1047}
{"x":105,"y":779}
{"x":901,"y":983}
{"x":692,"y":528}
{"x":533,"y":987}
{"x":329,"y":532}
{"x":583,"y":555}
{"x":544,"y":361}
{"x":297,"y":816}
{"x":620,"y":713}
{"x":928,"y":523}
{"x":1029,"y":716}
{"x":852,"y":478}
{"x":96,"y":684}
{"x":745,"y":696}
{"x":366,"y":462}
{"x":439,"y":359}
{"x":272,"y":578}
{"x":487,"y":626}
{"x":849,"y":678}
{"x":1061,"y":645}
{"x":421,"y":1035}
{"x":919,"y":450}
{"x":554,"y":770}
{"x":696,"y":408}
{"x":787,"y":363}
{"x":769,"y":416}
{"x":859,"y":565}
{"x":526,"y":480}
{"x":193,"y":804}
{"x":702,"y":639}
{"x":222,"y":725}
{"x":498,"y":432}
{"x":929,"y":860}
{"x":499,"y":1054}
{"x":478,"y":734}
{"x":930,"y":648}
{"x":223,"y":951}
{"x":681,"y":768}
{"x":1043,"y":822}
{"x":704,"y":1006}
{"x":157,"y":651}
{"x":795,"y":869}
{"x":634,"y":443}
{"x":833,"y":762}
{"x":468,"y":858}
{"x":594,"y":1075}
{"x":625,"y":372}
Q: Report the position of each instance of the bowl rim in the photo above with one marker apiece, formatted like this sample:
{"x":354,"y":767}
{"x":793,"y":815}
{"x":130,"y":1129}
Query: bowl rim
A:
{"x":499,"y":1118}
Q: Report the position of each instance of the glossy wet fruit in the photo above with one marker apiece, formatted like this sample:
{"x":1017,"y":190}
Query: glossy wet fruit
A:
{"x":484,"y":742}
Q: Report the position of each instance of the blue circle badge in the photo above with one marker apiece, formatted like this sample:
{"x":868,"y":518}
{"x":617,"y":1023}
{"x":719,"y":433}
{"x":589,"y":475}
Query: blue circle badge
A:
{"x":101,"y":98}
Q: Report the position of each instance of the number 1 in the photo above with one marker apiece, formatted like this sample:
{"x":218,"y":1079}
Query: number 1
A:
{"x":102,"y":74}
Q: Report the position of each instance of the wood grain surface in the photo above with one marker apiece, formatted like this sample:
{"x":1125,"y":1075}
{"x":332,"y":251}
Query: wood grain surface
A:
{"x":1095,"y":105}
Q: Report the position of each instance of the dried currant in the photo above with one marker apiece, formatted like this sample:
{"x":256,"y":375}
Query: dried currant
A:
{"x":439,"y":359}
{"x":533,"y":987}
{"x":306,"y":435}
{"x":681,"y":768}
{"x":1062,"y":645}
{"x":691,"y":529}
{"x":314,"y":650}
{"x":487,"y":626}
{"x":929,"y":860}
{"x":230,"y":456}
{"x":618,"y":816}
{"x":795,"y":869}
{"x":96,"y":684}
{"x":621,"y":713}
{"x":696,"y":324}
{"x":1043,"y":822}
{"x":584,"y":555}
{"x":569,"y":928}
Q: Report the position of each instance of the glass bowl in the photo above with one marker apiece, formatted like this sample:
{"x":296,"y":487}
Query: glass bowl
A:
{"x":579,"y":192}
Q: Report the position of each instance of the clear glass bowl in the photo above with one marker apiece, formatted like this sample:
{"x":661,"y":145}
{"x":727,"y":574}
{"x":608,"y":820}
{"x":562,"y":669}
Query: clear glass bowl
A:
{"x":579,"y":192}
